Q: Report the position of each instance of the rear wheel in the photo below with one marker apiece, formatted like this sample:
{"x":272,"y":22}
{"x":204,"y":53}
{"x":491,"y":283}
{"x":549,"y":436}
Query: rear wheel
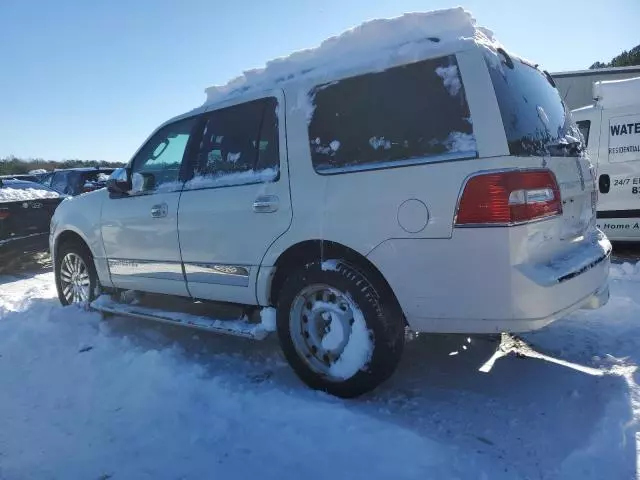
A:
{"x":336,"y":331}
{"x":75,"y":273}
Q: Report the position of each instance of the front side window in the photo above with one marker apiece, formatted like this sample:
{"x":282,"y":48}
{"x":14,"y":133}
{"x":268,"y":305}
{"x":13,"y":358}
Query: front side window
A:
{"x":584,"y":126}
{"x":238,"y":146}
{"x":534,"y":116}
{"x":158,"y":162}
{"x":404,"y":115}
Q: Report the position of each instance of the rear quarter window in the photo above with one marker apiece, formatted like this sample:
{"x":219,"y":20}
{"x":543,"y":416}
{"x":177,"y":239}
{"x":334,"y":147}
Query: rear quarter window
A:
{"x":405,"y":115}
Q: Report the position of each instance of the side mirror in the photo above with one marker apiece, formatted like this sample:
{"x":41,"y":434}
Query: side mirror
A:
{"x":119,"y":182}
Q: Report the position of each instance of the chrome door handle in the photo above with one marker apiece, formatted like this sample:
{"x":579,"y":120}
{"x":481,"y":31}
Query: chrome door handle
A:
{"x":159,"y":211}
{"x":266,"y":204}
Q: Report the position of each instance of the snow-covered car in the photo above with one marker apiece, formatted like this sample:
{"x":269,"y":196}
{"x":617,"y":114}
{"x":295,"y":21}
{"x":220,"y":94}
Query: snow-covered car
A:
{"x":74,"y":181}
{"x":26,"y":209}
{"x":409,"y":173}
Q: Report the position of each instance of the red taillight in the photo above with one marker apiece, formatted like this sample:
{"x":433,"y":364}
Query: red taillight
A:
{"x":509,"y":197}
{"x":4,"y":213}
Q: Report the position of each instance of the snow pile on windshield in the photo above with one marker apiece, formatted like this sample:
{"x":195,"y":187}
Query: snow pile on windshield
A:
{"x":8,"y":194}
{"x":375,"y":44}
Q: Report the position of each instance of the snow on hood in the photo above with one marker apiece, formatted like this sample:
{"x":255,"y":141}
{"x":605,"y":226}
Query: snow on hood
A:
{"x":8,"y":194}
{"x":377,"y":43}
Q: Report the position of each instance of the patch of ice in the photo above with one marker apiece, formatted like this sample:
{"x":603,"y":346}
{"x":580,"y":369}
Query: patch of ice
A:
{"x":374,"y":45}
{"x":358,"y":350}
{"x":380,"y":143}
{"x":335,"y":145}
{"x":8,"y":194}
{"x":461,"y":142}
{"x":450,"y":78}
{"x":268,"y":319}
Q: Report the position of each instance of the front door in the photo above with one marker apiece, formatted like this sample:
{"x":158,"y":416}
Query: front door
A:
{"x":238,"y":202}
{"x":140,"y":229}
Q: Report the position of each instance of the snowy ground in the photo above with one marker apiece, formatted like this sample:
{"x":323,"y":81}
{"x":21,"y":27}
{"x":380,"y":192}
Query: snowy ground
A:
{"x":83,"y":398}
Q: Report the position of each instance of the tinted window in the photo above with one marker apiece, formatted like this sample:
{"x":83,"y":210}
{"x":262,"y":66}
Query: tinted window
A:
{"x":404,"y":115}
{"x":239,"y":145}
{"x":59,"y":182}
{"x":159,"y":161}
{"x":584,"y":126}
{"x":534,"y":116}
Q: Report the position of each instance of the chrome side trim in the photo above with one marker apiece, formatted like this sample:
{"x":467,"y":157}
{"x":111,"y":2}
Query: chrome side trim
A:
{"x":146,"y":268}
{"x":236,"y":275}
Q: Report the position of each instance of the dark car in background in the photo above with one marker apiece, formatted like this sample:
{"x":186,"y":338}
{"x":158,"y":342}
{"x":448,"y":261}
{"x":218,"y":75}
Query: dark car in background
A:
{"x":74,"y":181}
{"x":26,"y":209}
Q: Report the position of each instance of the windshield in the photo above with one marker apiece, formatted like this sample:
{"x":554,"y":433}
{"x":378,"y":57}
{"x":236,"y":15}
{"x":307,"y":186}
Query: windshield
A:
{"x":535,"y":119}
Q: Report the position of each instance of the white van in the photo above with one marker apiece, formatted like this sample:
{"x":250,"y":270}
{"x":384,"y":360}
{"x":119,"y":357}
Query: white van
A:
{"x":410,"y":173}
{"x":611,"y":130}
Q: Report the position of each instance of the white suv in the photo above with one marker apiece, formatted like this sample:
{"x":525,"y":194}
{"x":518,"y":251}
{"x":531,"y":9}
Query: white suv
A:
{"x":442,"y":188}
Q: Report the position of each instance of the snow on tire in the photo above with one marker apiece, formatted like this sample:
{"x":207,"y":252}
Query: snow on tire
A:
{"x":336,"y":331}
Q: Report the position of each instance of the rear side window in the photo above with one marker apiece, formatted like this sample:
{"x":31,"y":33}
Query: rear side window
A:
{"x":238,"y":146}
{"x":404,"y":115}
{"x":584,"y":126}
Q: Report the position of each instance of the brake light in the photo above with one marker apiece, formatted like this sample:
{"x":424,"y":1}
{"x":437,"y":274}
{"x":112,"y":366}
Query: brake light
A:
{"x":506,"y":198}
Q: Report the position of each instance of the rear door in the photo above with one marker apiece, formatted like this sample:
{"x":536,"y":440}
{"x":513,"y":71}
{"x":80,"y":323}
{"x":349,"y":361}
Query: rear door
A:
{"x":238,"y":202}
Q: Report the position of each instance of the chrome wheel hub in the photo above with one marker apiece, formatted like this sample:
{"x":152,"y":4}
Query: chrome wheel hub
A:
{"x":320,"y":323}
{"x":74,"y":278}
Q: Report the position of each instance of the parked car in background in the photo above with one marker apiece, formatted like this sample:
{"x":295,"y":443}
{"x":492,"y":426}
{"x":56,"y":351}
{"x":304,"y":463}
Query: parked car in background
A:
{"x":26,"y":209}
{"x":74,"y":181}
{"x":611,"y":130}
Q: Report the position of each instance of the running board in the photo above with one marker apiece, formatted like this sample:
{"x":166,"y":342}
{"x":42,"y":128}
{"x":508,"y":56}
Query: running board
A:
{"x":239,"y":328}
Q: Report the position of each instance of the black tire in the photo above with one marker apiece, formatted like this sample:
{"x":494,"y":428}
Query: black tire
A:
{"x":382,"y":316}
{"x":84,"y":253}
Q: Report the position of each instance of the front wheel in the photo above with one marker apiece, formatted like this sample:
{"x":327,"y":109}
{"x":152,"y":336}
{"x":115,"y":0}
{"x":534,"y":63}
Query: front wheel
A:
{"x":336,"y":330}
{"x":75,"y":273}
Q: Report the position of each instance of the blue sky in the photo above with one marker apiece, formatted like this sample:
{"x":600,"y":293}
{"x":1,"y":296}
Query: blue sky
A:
{"x":90,"y":80}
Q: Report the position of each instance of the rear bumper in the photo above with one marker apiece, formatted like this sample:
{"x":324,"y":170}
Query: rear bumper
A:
{"x":469,"y":284}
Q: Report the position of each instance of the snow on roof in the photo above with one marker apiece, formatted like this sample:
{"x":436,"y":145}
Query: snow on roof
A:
{"x":377,"y":43}
{"x":617,"y":93}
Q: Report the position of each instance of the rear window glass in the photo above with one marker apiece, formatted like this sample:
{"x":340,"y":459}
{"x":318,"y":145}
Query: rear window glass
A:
{"x":584,"y":126}
{"x":404,"y":115}
{"x":535,"y":119}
